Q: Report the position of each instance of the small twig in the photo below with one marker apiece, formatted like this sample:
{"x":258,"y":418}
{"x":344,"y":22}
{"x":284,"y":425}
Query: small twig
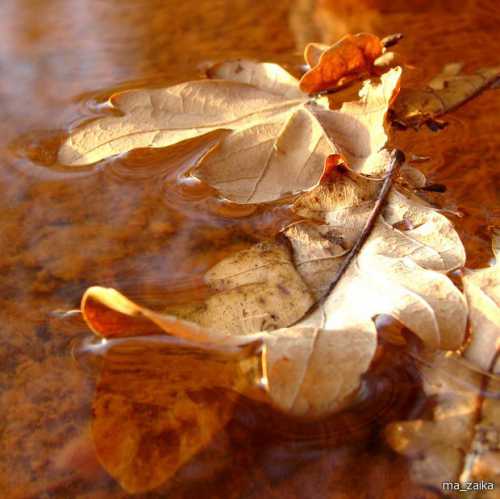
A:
{"x":391,"y":40}
{"x":397,"y":159}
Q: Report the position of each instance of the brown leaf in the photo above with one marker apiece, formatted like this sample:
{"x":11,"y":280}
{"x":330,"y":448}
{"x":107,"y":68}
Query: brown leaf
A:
{"x":314,"y":361}
{"x":351,"y":57}
{"x":270,"y":160}
{"x":461,"y":441}
{"x":158,"y":404}
{"x":444,"y":92}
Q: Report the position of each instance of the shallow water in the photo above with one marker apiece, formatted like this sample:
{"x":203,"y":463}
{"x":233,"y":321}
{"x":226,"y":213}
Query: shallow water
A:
{"x":133,"y":223}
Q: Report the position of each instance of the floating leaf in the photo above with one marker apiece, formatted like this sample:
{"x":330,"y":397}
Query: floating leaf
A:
{"x":277,"y":138}
{"x":314,"y":360}
{"x":267,"y":161}
{"x":482,"y":289}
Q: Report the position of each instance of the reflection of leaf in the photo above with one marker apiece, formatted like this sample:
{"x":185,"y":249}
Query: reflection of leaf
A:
{"x":158,"y":404}
{"x":462,"y":441}
{"x":278,"y":138}
{"x":413,"y":107}
{"x":350,"y":57}
{"x":314,"y":361}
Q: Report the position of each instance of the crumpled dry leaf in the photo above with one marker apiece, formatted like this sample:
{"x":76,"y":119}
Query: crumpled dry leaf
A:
{"x":348,"y":59}
{"x":149,"y":420}
{"x":482,"y":289}
{"x":444,"y":92}
{"x":278,"y":137}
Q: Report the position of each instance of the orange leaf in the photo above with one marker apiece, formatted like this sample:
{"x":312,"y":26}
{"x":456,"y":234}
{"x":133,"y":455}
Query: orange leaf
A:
{"x":350,"y":57}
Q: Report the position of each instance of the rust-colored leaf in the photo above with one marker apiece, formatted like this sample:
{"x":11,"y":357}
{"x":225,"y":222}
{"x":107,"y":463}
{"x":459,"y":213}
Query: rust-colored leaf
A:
{"x":158,"y":404}
{"x":351,"y":57}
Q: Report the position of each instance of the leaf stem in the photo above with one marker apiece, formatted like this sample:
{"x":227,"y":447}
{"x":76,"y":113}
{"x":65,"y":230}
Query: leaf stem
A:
{"x":397,"y":159}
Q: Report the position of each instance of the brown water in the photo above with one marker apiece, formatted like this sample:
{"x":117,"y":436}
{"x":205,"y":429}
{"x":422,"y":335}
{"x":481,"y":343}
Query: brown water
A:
{"x":133,"y":224}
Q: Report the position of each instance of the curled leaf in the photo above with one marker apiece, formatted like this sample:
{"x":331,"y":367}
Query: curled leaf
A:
{"x":351,"y":57}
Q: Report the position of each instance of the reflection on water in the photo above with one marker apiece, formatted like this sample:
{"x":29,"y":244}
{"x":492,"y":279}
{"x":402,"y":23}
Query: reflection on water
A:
{"x":137,"y":224}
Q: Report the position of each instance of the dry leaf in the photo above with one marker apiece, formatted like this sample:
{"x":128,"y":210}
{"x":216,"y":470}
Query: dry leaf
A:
{"x":158,"y":404}
{"x":166,"y":116}
{"x":444,"y":92}
{"x":314,"y":361}
{"x":482,"y":289}
{"x":267,"y":161}
{"x":351,"y":57}
{"x":462,"y":441}
{"x":279,"y":138}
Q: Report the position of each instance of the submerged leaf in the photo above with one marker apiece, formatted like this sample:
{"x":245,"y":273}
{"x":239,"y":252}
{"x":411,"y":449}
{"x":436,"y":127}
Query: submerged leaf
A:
{"x":158,"y":404}
{"x":444,"y":92}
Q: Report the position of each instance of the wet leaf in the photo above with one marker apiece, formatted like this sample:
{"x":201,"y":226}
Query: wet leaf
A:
{"x":482,"y":289}
{"x":158,"y":404}
{"x":351,"y":57}
{"x":444,"y":92}
{"x":462,"y":440}
{"x":277,"y":137}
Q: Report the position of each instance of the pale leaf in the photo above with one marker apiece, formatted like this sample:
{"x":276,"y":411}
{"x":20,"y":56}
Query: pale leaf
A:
{"x":460,"y":443}
{"x":264,"y":75}
{"x":482,"y":289}
{"x":166,"y":116}
{"x":278,"y":140}
{"x":267,"y":161}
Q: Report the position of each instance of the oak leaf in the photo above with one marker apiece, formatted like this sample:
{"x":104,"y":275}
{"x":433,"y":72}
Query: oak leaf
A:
{"x":446,"y":91}
{"x":482,"y":290}
{"x":148,"y":421}
{"x":314,"y":357}
{"x":461,"y":442}
{"x":278,"y":138}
